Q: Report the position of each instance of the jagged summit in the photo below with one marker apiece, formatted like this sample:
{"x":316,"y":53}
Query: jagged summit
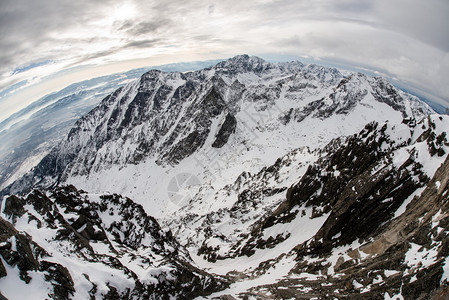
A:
{"x":243,"y":63}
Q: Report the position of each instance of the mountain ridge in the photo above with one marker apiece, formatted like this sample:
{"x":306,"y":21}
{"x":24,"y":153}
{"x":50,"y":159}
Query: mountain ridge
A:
{"x":133,"y":108}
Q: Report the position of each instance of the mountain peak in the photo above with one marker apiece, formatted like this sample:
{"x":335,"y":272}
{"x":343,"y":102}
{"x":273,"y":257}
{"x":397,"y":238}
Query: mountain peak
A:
{"x":244,"y":63}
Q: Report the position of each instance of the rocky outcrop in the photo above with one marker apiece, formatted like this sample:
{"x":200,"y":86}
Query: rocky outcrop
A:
{"x":18,"y":250}
{"x":407,"y":257}
{"x":108,"y":233}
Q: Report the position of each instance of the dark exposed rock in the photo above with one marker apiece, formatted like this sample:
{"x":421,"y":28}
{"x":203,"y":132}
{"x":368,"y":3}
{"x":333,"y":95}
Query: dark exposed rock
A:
{"x":60,"y":278}
{"x":385,"y":92}
{"x":3,"y":272}
{"x":209,"y":107}
{"x":226,"y":129}
{"x":27,"y":257}
{"x":355,"y":198}
{"x":187,"y":146}
{"x":14,"y":207}
{"x":342,"y":101}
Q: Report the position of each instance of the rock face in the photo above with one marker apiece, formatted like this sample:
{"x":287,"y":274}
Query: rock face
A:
{"x":226,"y":129}
{"x":405,"y":256}
{"x":291,"y":181}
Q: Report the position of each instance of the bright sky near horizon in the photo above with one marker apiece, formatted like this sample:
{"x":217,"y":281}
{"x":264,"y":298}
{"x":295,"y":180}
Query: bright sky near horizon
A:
{"x":46,"y":45}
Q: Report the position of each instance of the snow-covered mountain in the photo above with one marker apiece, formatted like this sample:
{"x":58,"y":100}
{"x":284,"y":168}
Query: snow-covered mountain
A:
{"x":28,"y":135}
{"x":245,"y":108}
{"x":277,"y":180}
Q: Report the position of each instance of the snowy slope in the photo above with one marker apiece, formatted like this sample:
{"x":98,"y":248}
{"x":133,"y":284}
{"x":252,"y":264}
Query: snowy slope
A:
{"x":216,"y":220}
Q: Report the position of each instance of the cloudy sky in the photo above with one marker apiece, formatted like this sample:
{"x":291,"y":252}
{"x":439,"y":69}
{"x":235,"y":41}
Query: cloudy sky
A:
{"x":48,"y":44}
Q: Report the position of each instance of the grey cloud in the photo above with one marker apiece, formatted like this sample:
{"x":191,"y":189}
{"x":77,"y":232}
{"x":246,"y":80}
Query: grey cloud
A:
{"x":293,"y":41}
{"x":174,"y":6}
{"x":426,"y":21}
{"x":35,"y":19}
{"x":352,"y":6}
{"x":26,"y":25}
{"x":203,"y":37}
{"x":373,"y":32}
{"x":142,"y":43}
{"x":100,"y":54}
{"x":30,"y":29}
{"x":82,"y":59}
{"x":133,"y":28}
{"x":211,"y":8}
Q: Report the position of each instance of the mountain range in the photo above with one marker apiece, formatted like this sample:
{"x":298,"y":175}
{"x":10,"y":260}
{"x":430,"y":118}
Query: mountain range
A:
{"x":247,"y":179}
